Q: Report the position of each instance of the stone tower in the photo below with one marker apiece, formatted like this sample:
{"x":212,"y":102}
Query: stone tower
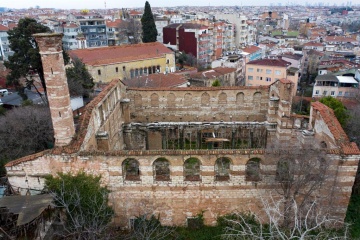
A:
{"x":50,"y":46}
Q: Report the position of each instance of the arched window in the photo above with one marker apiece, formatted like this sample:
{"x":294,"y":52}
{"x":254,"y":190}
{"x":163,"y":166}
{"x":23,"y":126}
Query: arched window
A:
{"x":131,"y":171}
{"x":257,"y":101}
{"x":240,"y":99}
{"x":132,"y":73}
{"x":222,"y":169}
{"x":192,"y":169}
{"x":222,"y":99}
{"x":171,"y":100}
{"x":252,"y":170}
{"x":138,"y":100}
{"x":154,"y":100}
{"x":188,"y":99}
{"x":161,"y":168}
{"x":205,"y":99}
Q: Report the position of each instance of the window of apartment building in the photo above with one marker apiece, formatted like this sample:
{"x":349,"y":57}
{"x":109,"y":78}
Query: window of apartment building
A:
{"x":259,"y":70}
{"x":324,"y":93}
{"x":347,"y":94}
{"x":268,"y":71}
{"x":277,"y":72}
{"x":250,"y":70}
{"x":92,"y":30}
{"x":340,"y":93}
{"x":167,"y":61}
{"x":99,"y":72}
{"x":332,"y":93}
{"x":268,"y":79}
{"x":116,"y":69}
{"x":317,"y":92}
{"x":250,"y":78}
{"x":124,"y":68}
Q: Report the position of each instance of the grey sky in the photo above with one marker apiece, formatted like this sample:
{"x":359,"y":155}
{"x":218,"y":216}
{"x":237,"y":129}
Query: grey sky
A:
{"x":90,"y":4}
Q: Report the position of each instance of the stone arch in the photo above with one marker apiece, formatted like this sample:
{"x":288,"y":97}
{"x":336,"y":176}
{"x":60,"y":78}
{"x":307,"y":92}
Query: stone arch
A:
{"x":252,"y":170}
{"x":138,"y":100}
{"x":222,"y":169}
{"x":192,"y":169}
{"x":171,"y":98}
{"x":154,"y":100}
{"x":222,"y":99}
{"x":131,"y":170}
{"x":161,"y":169}
{"x":257,"y":101}
{"x":205,"y":99}
{"x":240,"y":98}
{"x":188,"y":99}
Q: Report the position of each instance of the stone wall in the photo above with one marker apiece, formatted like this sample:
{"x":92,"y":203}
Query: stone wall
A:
{"x":175,"y":199}
{"x":199,"y":104}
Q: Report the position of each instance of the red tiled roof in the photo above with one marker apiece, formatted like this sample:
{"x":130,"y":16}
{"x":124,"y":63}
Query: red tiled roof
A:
{"x":71,"y":25}
{"x":316,"y":44}
{"x":224,"y":70}
{"x":251,"y":49}
{"x":113,"y":23}
{"x":3,"y":28}
{"x":119,"y":54}
{"x":270,"y":62}
{"x":156,"y":81}
{"x":335,"y":128}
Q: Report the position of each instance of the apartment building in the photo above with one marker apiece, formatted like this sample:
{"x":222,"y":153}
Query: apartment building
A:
{"x":266,"y":71}
{"x":190,"y":38}
{"x":71,"y":33}
{"x":93,"y":28}
{"x":113,"y":33}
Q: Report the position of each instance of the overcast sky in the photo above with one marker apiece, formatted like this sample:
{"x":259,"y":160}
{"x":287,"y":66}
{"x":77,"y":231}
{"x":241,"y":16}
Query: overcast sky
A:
{"x":100,"y":4}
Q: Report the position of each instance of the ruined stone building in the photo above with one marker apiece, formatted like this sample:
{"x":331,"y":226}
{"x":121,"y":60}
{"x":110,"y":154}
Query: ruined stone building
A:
{"x":179,"y":151}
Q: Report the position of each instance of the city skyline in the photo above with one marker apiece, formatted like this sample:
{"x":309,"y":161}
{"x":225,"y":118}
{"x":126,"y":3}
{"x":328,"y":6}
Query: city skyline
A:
{"x":100,"y":4}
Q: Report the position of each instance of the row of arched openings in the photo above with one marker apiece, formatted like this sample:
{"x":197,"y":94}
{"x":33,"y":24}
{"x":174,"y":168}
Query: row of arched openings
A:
{"x":144,"y":71}
{"x":189,"y":101}
{"x":191,"y":169}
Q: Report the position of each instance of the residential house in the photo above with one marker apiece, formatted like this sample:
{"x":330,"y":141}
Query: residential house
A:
{"x":160,"y":23}
{"x":314,"y":46}
{"x":335,"y":86}
{"x":113,"y":33}
{"x":226,"y":77}
{"x":267,"y":71}
{"x":126,"y":61}
{"x":5,"y":50}
{"x":252,"y":53}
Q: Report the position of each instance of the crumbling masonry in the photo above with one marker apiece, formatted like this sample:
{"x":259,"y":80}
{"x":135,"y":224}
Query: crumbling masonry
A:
{"x":179,"y":151}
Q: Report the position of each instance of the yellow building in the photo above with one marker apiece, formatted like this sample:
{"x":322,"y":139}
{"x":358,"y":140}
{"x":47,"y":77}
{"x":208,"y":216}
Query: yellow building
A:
{"x":126,"y":61}
{"x":267,"y":71}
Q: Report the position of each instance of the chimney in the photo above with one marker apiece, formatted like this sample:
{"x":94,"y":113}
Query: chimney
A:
{"x":50,"y":46}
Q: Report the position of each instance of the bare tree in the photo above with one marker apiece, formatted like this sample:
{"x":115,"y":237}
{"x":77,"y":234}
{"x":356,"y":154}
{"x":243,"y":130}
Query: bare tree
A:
{"x":130,"y":31}
{"x":308,"y":224}
{"x":85,"y":204}
{"x":300,"y":173}
{"x":24,"y":131}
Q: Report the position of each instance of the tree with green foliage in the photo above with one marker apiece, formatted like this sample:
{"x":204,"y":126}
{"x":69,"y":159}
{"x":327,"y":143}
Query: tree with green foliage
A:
{"x":85,"y":203}
{"x":26,"y":60}
{"x":340,"y":110}
{"x":216,"y":83}
{"x":80,"y":81}
{"x":148,"y":25}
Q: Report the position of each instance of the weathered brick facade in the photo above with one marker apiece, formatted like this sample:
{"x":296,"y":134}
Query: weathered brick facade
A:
{"x":126,"y":136}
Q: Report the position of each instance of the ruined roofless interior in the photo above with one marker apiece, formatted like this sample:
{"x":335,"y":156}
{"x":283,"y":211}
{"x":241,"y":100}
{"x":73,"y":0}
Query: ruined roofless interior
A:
{"x":179,"y":151}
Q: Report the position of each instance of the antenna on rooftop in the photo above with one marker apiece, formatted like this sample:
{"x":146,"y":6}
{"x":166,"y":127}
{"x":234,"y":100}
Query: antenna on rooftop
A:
{"x":105,"y":4}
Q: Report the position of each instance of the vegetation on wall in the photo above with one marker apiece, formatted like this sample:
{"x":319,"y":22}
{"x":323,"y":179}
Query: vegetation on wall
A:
{"x":340,"y":110}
